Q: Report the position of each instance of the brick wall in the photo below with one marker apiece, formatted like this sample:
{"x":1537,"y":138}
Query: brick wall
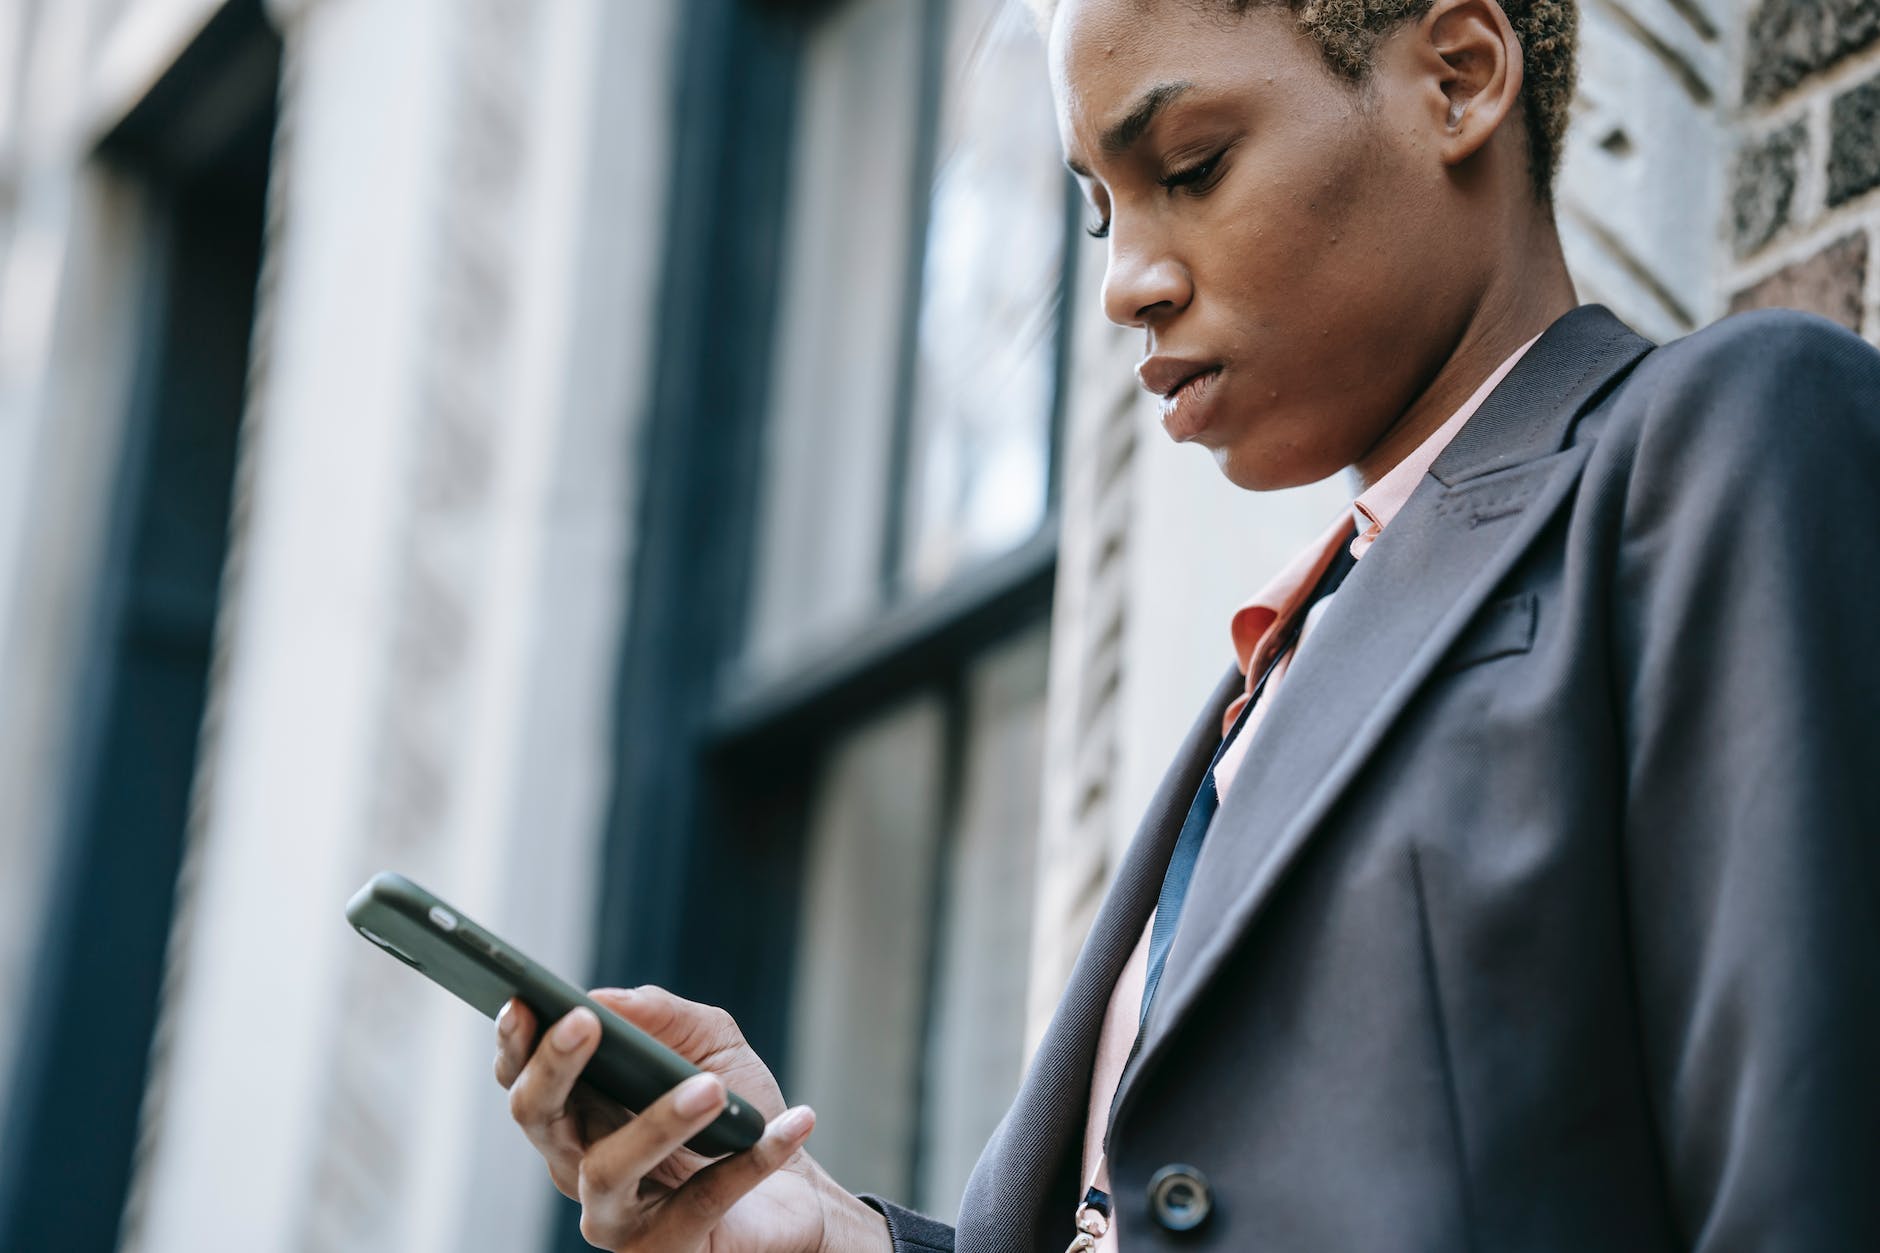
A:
{"x":1805,"y":198}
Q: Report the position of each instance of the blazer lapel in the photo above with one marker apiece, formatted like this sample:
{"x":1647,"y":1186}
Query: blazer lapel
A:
{"x":1025,"y":1186}
{"x":1483,"y":503}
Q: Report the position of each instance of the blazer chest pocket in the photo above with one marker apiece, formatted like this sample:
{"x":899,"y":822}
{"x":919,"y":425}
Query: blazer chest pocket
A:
{"x":1503,"y":627}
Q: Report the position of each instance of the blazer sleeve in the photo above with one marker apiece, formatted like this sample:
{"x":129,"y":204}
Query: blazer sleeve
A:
{"x":1747,"y":662}
{"x":911,"y":1232}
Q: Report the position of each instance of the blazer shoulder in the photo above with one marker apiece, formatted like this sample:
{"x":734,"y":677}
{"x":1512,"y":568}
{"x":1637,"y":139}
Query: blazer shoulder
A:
{"x":1766,"y":342}
{"x":1772,"y":394}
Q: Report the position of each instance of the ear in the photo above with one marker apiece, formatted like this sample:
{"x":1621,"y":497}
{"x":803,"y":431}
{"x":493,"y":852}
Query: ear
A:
{"x":1479,"y":70}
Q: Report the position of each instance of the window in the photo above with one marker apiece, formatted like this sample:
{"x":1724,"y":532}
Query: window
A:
{"x":985,"y":340}
{"x":907,"y":1023}
{"x":831,"y":706}
{"x":914,"y":370}
{"x":903,"y":559}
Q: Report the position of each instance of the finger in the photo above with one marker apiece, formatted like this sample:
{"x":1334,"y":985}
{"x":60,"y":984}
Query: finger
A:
{"x":694,"y":1031}
{"x":515,"y":1039}
{"x":538,"y":1099}
{"x":693,"y":1210}
{"x":611,"y":1169}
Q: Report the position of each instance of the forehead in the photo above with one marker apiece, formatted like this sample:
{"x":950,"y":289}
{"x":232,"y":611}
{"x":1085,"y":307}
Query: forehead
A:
{"x":1095,"y":44}
{"x":1105,"y":54}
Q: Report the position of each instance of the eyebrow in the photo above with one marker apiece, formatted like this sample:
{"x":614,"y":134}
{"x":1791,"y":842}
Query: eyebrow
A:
{"x":1122,"y":136}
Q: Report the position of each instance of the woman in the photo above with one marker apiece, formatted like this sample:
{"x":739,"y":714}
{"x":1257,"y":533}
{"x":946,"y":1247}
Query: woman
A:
{"x":1525,"y":861}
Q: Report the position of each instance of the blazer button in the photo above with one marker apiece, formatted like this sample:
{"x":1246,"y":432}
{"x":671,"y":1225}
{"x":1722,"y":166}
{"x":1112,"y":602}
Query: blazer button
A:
{"x":1179,"y":1197}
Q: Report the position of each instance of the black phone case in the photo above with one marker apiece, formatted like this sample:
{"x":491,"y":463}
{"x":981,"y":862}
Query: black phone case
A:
{"x":443,"y":944}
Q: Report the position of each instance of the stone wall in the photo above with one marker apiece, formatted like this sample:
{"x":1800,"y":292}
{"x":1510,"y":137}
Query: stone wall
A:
{"x":1804,"y":211}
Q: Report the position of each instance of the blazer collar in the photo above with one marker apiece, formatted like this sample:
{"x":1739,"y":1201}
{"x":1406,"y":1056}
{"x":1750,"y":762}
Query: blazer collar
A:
{"x":1483,"y":503}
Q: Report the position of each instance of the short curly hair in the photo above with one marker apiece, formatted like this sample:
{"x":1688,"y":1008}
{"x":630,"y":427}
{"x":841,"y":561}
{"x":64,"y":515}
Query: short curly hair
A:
{"x":1347,"y":33}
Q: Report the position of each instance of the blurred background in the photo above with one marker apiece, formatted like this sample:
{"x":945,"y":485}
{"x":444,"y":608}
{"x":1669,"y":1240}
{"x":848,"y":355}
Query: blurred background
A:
{"x":657,"y":474}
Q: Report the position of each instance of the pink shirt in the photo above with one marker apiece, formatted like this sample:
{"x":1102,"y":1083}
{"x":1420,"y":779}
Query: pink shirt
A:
{"x":1257,"y":628}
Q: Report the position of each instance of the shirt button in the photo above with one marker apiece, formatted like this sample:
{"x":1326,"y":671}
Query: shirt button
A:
{"x":1179,"y":1197}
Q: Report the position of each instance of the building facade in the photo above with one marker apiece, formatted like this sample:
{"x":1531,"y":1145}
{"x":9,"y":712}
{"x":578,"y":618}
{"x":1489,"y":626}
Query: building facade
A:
{"x":657,"y":474}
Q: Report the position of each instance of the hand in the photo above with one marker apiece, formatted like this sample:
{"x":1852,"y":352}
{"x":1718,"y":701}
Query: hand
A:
{"x":640,"y":1189}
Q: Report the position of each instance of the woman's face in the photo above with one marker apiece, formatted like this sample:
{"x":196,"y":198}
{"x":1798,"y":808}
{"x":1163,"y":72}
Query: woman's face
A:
{"x":1287,"y":235}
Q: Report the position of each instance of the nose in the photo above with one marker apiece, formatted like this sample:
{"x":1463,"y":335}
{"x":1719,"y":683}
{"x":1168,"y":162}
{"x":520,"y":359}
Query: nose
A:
{"x":1143,"y":284}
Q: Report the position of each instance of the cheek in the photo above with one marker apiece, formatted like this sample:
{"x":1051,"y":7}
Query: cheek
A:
{"x":1315,"y":263}
{"x":1301,"y":225}
{"x":1318,"y":302}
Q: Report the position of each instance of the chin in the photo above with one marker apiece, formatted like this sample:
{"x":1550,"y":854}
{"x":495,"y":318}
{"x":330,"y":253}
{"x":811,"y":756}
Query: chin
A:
{"x":1271,"y":469}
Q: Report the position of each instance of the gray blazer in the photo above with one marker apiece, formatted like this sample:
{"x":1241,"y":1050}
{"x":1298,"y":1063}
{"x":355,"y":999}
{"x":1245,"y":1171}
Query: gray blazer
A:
{"x":1546,"y":913}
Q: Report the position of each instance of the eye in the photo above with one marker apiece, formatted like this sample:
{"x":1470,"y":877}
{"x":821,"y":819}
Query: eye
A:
{"x":1198,"y":176}
{"x":1194,"y":175}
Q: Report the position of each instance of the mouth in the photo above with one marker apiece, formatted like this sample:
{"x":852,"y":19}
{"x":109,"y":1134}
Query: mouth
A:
{"x":1185,"y":405}
{"x":1185,"y":381}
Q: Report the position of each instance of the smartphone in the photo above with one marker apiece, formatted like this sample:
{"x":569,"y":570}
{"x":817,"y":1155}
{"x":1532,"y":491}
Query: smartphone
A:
{"x":439,"y":941}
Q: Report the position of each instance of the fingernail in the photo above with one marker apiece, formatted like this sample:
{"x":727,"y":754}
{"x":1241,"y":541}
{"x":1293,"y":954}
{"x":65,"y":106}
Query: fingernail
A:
{"x":795,"y":1123}
{"x":506,"y":1021}
{"x":572,"y":1029}
{"x":697,"y":1094}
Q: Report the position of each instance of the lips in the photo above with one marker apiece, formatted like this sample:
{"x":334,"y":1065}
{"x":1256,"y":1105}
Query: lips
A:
{"x":1185,"y":409}
{"x":1163,"y":375}
{"x":1184,"y":384}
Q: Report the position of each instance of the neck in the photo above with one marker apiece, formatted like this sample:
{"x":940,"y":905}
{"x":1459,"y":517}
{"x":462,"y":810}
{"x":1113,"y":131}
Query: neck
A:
{"x":1522,"y":299}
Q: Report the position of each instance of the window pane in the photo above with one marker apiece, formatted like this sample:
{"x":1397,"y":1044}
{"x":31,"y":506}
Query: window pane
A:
{"x":995,"y":238}
{"x":976,"y":1049}
{"x":839,"y":330}
{"x":862,"y":947}
{"x":909,"y":1040}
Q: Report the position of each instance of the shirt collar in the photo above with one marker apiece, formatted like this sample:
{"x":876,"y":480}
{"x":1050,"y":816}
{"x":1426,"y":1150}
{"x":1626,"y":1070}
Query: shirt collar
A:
{"x":1253,"y":623}
{"x":1374,"y":508}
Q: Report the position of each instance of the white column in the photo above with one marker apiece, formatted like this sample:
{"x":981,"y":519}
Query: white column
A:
{"x":538,"y":755}
{"x":424,"y":633}
{"x":256,"y":979}
{"x":1640,"y":191}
